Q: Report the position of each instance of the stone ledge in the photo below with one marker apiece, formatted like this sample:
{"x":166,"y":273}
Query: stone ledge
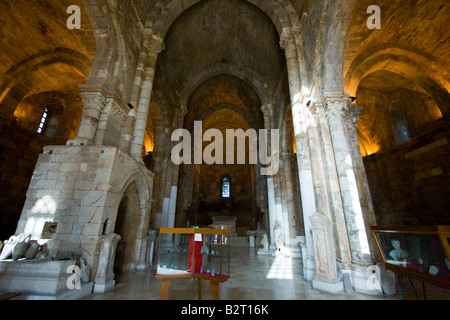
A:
{"x":330,"y":287}
{"x":35,"y":277}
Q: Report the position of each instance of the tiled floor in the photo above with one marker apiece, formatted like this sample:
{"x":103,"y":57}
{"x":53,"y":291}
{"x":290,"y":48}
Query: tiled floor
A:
{"x":253,"y":277}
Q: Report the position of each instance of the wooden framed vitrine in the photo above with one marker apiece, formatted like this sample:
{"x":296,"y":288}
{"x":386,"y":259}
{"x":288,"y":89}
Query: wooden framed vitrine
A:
{"x":203,"y":254}
{"x":420,"y":252}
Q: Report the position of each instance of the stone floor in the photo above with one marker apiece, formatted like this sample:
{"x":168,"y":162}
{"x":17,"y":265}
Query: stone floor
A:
{"x":253,"y":277}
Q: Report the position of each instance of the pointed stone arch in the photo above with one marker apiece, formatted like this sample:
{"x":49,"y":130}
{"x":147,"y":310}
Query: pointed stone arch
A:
{"x":282,"y":14}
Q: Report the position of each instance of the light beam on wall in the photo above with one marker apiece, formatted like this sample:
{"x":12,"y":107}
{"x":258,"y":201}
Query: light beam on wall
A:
{"x":43,"y":211}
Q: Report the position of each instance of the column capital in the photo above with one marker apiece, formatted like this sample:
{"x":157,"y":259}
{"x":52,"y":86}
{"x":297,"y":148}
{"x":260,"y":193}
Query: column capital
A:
{"x":156,"y":45}
{"x":152,"y":45}
{"x":336,"y":104}
{"x":289,"y":38}
{"x":342,"y":105}
{"x":93,"y":99}
{"x":354,"y":113}
{"x":267,"y":110}
{"x":336,"y":98}
{"x":318,"y":111}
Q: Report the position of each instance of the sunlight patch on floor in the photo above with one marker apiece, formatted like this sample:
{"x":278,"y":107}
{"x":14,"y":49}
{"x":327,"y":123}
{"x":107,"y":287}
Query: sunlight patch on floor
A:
{"x":281,"y":268}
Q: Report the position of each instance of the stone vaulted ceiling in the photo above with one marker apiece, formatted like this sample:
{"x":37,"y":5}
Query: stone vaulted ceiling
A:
{"x":39,"y":53}
{"x":216,"y":37}
{"x":413,"y":34}
{"x":402,"y":68}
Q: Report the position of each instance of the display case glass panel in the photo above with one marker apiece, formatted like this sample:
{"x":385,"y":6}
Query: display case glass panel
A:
{"x":174,"y":255}
{"x":191,"y":252}
{"x":417,"y":252}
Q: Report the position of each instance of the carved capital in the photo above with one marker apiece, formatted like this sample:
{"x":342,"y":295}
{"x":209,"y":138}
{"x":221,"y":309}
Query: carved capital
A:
{"x":94,"y":100}
{"x":342,"y":106}
{"x":289,"y":38}
{"x":147,"y":35}
{"x":336,"y":104}
{"x":267,"y":110}
{"x":156,"y":45}
{"x":354,"y":114}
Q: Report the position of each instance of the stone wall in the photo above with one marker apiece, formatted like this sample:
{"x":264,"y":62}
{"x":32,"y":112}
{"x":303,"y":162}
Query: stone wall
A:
{"x":20,"y":146}
{"x":242,"y":201}
{"x":409,"y":184}
{"x":19,"y":151}
{"x":80,"y":188}
{"x":392,"y":117}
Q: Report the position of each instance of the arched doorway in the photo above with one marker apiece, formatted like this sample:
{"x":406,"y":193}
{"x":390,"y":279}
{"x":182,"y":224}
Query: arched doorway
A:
{"x":126,"y":223}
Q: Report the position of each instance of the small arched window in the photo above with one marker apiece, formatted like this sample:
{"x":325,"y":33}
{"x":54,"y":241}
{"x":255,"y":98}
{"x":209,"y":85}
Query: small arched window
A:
{"x":43,"y":121}
{"x":226,"y":187}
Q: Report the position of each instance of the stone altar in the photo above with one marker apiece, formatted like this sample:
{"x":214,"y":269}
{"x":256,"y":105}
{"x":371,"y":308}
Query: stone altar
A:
{"x":226,"y":220}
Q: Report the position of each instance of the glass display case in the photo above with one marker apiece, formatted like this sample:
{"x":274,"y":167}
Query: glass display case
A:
{"x":418,"y":252}
{"x":192,"y":252}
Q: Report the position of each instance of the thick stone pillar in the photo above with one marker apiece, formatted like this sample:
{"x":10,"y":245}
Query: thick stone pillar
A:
{"x":300,"y":122}
{"x":322,"y":219}
{"x":336,"y":109}
{"x":155,"y":46}
{"x":353,"y":115}
{"x":335,"y":200}
{"x":94,"y":100}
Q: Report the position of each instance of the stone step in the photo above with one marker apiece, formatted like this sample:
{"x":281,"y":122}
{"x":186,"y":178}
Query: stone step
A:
{"x":239,"y":241}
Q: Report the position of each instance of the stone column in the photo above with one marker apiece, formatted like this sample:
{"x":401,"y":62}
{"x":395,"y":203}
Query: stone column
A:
{"x":353,"y":116}
{"x":288,"y":159}
{"x":178,"y":123}
{"x":336,"y":108}
{"x":268,"y":114}
{"x":161,"y":161}
{"x":104,"y":279}
{"x":326,"y":277}
{"x":335,"y":200}
{"x":300,"y":122}
{"x":94,"y":102}
{"x":155,"y":46}
{"x":127,"y":133}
